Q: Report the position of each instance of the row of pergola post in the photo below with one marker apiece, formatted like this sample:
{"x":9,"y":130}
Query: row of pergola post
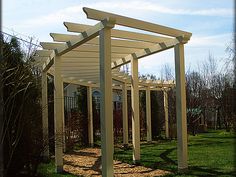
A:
{"x":59,"y":113}
{"x":124,"y":111}
{"x":125,"y":114}
{"x":61,"y":60}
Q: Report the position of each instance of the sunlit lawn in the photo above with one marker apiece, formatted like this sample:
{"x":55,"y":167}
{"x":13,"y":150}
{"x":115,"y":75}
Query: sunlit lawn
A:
{"x":210,"y":154}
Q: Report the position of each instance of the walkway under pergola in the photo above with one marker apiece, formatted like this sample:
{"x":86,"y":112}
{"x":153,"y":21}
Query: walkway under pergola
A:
{"x":92,"y":57}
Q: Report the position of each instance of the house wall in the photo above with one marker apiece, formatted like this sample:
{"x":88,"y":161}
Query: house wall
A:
{"x":71,"y":91}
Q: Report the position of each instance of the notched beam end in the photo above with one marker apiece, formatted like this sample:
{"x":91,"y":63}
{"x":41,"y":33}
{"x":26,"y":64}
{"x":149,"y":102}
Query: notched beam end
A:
{"x":66,"y":25}
{"x":52,"y":36}
{"x":184,"y":38}
{"x":85,"y":11}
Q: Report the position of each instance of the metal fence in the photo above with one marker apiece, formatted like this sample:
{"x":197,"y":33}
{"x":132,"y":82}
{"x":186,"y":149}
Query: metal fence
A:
{"x":70,"y":103}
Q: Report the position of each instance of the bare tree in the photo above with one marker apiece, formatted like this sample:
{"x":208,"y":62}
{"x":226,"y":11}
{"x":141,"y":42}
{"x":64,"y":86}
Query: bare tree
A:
{"x":232,"y":58}
{"x":167,"y":73}
{"x":195,"y":99}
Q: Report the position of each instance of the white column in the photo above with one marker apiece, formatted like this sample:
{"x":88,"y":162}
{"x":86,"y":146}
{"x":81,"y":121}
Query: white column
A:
{"x":90,"y":115}
{"x":63,"y":120}
{"x":166,"y":113}
{"x":125,"y":115}
{"x":58,"y":114}
{"x":181,"y":107}
{"x":45,"y":114}
{"x":135,"y":110}
{"x":148,"y":115}
{"x":106,"y":108}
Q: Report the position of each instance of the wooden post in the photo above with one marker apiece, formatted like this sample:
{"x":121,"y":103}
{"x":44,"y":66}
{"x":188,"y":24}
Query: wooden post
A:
{"x":106,"y":114}
{"x":45,"y":114}
{"x":90,"y":115}
{"x":125,"y":116}
{"x":181,"y":107}
{"x":58,"y":114}
{"x":148,"y":115}
{"x":166,"y":113}
{"x":135,"y":110}
{"x":63,"y":119}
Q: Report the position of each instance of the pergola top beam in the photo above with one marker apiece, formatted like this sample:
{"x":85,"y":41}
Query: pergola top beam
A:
{"x":134,"y":23}
{"x":75,"y":27}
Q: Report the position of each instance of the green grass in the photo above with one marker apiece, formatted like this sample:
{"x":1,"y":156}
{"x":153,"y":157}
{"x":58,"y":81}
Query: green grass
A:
{"x":210,"y":154}
{"x":48,"y":170}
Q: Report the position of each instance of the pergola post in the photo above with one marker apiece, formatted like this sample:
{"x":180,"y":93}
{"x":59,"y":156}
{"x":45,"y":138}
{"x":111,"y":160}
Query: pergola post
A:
{"x":106,"y":114}
{"x":58,"y":114}
{"x":148,"y":115}
{"x":135,"y":110}
{"x":166,"y":107}
{"x":45,"y":114}
{"x":125,"y":116}
{"x":63,"y":120}
{"x":181,"y":107}
{"x":90,"y":115}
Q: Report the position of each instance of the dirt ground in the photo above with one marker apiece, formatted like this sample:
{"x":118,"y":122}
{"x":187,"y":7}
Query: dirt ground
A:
{"x":87,"y":162}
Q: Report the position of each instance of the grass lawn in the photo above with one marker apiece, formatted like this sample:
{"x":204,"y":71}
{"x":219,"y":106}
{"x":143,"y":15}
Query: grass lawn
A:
{"x":48,"y":170}
{"x":210,"y":154}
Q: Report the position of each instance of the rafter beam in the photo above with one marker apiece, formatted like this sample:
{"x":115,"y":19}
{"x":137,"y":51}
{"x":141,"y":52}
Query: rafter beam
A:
{"x":52,"y":45}
{"x":45,"y":53}
{"x":48,"y":57}
{"x":114,"y":42}
{"x":134,"y":23}
{"x":86,"y":48}
{"x":78,"y":54}
{"x":83,"y":37}
{"x":148,"y":51}
{"x":80,"y":81}
{"x":75,"y":27}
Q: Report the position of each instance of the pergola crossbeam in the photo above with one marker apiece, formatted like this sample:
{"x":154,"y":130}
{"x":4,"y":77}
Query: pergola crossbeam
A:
{"x":114,"y":42}
{"x":146,"y":52}
{"x":134,"y":23}
{"x":86,"y":48}
{"x":75,"y":27}
{"x":82,"y":38}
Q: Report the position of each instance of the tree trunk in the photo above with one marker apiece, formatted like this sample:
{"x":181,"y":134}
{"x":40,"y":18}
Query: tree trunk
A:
{"x":215,"y":119}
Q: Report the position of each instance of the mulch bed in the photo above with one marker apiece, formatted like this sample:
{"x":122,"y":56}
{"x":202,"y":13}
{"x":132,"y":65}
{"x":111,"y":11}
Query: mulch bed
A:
{"x":87,"y":162}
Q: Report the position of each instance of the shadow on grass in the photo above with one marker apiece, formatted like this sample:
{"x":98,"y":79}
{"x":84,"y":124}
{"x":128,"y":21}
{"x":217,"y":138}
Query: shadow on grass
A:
{"x":192,"y":170}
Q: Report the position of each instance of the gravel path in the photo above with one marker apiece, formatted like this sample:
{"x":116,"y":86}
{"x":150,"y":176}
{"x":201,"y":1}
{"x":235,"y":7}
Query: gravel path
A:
{"x":87,"y":162}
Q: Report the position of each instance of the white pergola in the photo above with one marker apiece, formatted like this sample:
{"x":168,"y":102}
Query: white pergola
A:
{"x":92,"y":57}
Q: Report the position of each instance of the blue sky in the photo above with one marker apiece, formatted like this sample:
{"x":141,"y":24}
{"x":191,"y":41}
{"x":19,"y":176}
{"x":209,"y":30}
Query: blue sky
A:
{"x":211,"y":23}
